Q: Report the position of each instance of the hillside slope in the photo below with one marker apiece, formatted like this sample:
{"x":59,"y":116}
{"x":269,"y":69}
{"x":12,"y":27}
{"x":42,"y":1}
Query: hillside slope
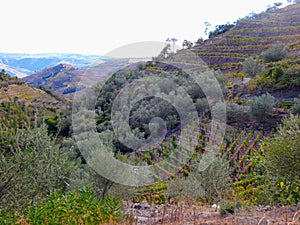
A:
{"x":21,"y":65}
{"x":13,"y":89}
{"x":252,"y":36}
{"x":67,"y":79}
{"x":30,"y":95}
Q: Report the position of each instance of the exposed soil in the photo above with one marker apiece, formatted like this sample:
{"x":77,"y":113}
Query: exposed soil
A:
{"x":204,"y":215}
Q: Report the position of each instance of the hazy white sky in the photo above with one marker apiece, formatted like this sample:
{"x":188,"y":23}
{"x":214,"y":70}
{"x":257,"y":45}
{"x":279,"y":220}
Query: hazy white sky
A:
{"x":99,"y":26}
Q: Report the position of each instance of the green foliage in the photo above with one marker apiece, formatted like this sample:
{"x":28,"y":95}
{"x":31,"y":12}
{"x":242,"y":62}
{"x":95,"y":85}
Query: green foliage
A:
{"x":279,"y":75}
{"x":296,"y":108}
{"x":35,"y":167}
{"x":251,"y":67}
{"x":220,"y":29}
{"x":54,"y":94}
{"x":258,"y":187}
{"x":282,"y":152}
{"x":4,"y":76}
{"x":71,"y":89}
{"x":274,"y":72}
{"x":165,"y":53}
{"x":219,"y":110}
{"x":261,"y":106}
{"x":199,"y":42}
{"x":232,"y":111}
{"x":273,"y":172}
{"x":13,"y":116}
{"x":6,"y":79}
{"x":202,"y":105}
{"x":154,"y":193}
{"x":77,"y":207}
{"x":226,"y":207}
{"x":210,"y":185}
{"x":147,"y":108}
{"x":237,"y":75}
{"x":187,"y":44}
{"x":53,"y":123}
{"x":276,"y":53}
{"x":251,"y":182}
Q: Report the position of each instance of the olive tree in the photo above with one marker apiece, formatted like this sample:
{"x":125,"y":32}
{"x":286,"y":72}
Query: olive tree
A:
{"x":251,"y":67}
{"x":282,"y":152}
{"x":261,"y":106}
{"x":276,"y":53}
{"x":35,"y":167}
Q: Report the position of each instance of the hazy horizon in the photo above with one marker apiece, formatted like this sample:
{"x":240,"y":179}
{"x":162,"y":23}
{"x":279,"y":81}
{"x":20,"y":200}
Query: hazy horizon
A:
{"x":95,"y":28}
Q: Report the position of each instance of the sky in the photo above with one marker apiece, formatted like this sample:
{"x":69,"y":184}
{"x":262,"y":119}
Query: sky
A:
{"x":100,"y":26}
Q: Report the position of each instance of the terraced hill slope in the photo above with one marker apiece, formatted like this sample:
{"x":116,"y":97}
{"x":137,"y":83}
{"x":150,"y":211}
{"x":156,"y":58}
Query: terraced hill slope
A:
{"x":30,"y":95}
{"x":22,"y":105}
{"x":252,"y":36}
{"x":13,"y":89}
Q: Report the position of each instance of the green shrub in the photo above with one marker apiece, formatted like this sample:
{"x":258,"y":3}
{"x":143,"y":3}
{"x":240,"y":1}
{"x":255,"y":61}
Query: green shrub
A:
{"x":219,"y":110}
{"x":251,"y":67}
{"x":53,"y":123}
{"x":276,"y":53}
{"x":229,"y":109}
{"x":234,"y":109}
{"x":202,"y":105}
{"x":210,"y":185}
{"x":273,"y":177}
{"x":261,"y":106}
{"x":226,"y":207}
{"x":35,"y":167}
{"x":274,"y":72}
{"x":220,"y":29}
{"x":296,"y":108}
{"x":280,"y":75}
{"x":81,"y":207}
{"x":283,"y":150}
{"x":282,"y":160}
{"x":4,"y":76}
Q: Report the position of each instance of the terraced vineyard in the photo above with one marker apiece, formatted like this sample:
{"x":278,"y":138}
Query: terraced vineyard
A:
{"x":30,"y":95}
{"x":252,"y":36}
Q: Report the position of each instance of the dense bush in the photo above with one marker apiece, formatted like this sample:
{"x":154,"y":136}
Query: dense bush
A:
{"x":202,"y":105}
{"x":233,"y":111}
{"x":261,"y":106}
{"x":147,"y":108}
{"x":81,"y":207}
{"x":276,"y":53}
{"x":283,"y":150}
{"x":210,"y":185}
{"x":34,"y":167}
{"x":251,"y":67}
{"x":6,"y":79}
{"x":279,"y":75}
{"x":220,"y":29}
{"x":4,"y":76}
{"x":273,"y":177}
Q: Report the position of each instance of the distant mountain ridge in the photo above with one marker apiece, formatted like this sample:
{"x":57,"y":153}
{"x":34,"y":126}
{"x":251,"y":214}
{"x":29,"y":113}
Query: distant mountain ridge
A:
{"x":67,"y":79}
{"x":21,"y":65}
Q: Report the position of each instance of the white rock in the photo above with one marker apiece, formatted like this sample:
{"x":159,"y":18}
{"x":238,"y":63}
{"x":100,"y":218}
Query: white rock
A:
{"x":215,"y":206}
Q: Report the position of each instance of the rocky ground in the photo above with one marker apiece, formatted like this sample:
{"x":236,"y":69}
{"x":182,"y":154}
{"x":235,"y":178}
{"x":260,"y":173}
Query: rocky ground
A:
{"x":204,"y":215}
